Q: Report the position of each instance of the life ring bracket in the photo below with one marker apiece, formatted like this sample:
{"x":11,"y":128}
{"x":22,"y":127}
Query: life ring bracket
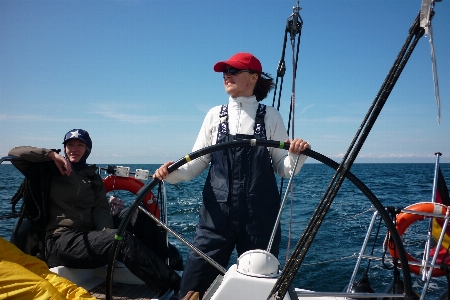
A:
{"x":410,"y":215}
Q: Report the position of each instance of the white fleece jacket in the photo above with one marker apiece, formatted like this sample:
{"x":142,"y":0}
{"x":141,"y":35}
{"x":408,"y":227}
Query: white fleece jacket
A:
{"x":241,"y":120}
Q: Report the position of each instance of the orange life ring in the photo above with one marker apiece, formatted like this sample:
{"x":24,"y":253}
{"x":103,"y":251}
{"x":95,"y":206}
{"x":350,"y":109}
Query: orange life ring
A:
{"x":404,"y":220}
{"x":133,"y":185}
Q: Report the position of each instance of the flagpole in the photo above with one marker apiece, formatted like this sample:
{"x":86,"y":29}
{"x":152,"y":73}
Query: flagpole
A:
{"x":436,"y":172}
{"x":426,"y":255}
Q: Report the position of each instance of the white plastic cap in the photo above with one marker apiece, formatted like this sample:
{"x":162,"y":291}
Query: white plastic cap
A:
{"x":258,"y":263}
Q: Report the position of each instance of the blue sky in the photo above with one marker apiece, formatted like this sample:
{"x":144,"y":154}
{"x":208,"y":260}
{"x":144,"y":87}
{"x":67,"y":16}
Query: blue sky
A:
{"x":138,"y":74}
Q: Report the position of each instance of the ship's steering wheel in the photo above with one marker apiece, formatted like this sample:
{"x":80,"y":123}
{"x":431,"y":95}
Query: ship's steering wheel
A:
{"x":266,"y":143}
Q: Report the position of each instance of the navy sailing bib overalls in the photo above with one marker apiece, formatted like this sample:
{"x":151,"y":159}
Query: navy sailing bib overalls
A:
{"x":240,"y":205}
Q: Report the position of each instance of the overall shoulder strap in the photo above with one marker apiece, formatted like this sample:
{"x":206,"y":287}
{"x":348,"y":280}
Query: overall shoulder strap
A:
{"x":222,"y":130}
{"x":260,"y":127}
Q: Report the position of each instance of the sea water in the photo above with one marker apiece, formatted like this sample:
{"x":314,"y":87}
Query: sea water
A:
{"x":330,"y":261}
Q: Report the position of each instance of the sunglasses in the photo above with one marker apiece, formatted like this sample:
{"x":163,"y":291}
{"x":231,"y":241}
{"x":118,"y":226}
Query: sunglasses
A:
{"x":234,"y":71}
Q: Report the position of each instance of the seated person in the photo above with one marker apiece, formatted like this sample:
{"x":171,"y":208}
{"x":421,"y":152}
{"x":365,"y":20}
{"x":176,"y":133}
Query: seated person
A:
{"x":80,"y":229}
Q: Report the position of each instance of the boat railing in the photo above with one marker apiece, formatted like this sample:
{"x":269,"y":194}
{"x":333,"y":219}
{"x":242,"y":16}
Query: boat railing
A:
{"x":427,"y":266}
{"x":122,"y":171}
{"x":6,"y":158}
{"x":363,"y":249}
{"x":390,"y":260}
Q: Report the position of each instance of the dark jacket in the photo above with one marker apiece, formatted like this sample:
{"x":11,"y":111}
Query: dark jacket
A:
{"x":77,"y":201}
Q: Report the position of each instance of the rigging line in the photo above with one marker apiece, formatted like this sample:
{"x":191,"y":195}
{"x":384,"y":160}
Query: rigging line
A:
{"x":330,"y":261}
{"x":294,"y":77}
{"x":283,"y":203}
{"x":294,"y":30}
{"x":293,"y":97}
{"x":285,"y":279}
{"x":291,"y":210}
{"x":281,"y":69}
{"x":324,"y":205}
{"x":374,"y":110}
{"x":293,"y":26}
{"x":371,"y":209}
{"x":335,"y":221}
{"x":216,"y":265}
{"x":292,"y":113}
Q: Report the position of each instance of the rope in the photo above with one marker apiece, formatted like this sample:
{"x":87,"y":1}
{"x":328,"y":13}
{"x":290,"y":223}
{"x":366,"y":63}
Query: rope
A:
{"x":349,"y":217}
{"x":30,"y":206}
{"x":17,"y":196}
{"x":293,"y":28}
{"x":287,"y":275}
{"x":292,"y":114}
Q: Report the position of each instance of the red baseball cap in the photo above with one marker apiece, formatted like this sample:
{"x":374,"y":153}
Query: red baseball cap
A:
{"x":241,"y":60}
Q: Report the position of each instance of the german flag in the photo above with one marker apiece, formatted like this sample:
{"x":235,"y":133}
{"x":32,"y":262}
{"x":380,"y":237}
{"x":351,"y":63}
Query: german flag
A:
{"x":437,"y":224}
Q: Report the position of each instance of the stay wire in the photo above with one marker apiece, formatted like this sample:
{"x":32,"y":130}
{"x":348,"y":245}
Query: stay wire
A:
{"x":292,"y":114}
{"x":294,"y":77}
{"x":293,"y":27}
{"x":281,"y":70}
{"x":287,"y":275}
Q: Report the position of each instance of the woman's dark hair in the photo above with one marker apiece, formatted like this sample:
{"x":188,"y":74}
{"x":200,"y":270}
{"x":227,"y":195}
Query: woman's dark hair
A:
{"x":263,"y":86}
